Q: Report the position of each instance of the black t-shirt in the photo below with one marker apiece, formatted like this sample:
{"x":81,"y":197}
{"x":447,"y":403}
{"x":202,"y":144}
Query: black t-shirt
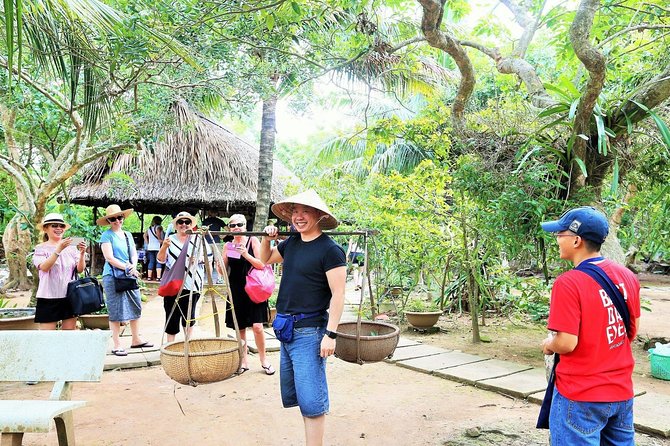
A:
{"x":304,"y":285}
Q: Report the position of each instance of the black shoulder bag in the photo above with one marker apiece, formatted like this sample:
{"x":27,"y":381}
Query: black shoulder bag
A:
{"x":122,"y":280}
{"x":597,"y":274}
{"x":85,"y":294}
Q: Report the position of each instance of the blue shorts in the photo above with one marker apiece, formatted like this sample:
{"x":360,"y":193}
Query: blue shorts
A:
{"x":302,"y":372}
{"x":578,"y":422}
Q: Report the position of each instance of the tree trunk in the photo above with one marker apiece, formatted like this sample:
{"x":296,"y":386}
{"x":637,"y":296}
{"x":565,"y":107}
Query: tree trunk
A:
{"x":265,"y":156}
{"x":17,"y":242}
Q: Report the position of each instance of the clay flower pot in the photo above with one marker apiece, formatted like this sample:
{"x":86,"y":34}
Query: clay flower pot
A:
{"x":422,"y":319}
{"x":95,"y":321}
{"x":18,"y":319}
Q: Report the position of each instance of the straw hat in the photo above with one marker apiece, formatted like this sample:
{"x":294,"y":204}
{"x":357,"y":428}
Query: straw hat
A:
{"x":283,"y":209}
{"x":113,"y":210}
{"x":181,"y":216}
{"x":52,"y":218}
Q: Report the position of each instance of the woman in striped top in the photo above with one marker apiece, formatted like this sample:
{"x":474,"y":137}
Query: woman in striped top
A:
{"x":195,"y":276}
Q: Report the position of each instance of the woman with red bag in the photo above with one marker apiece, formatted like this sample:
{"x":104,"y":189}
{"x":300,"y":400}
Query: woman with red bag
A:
{"x":239,"y":256}
{"x":170,"y":250}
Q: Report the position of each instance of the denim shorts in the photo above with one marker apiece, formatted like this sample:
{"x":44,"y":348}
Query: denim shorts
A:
{"x":302,"y":372}
{"x":584,"y":423}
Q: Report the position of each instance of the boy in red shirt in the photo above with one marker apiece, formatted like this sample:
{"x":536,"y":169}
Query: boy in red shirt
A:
{"x":593,"y":395}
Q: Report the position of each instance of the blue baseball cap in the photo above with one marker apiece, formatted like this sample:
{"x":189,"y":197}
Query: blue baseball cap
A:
{"x":585,"y":221}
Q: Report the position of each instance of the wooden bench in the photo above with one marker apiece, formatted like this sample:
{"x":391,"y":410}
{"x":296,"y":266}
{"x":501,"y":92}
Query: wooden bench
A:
{"x":61,"y":357}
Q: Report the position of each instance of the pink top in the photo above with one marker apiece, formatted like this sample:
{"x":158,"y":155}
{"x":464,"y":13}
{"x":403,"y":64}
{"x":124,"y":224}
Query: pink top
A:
{"x":53,"y":283}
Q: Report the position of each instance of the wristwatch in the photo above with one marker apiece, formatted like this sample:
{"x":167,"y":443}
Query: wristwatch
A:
{"x":331,"y":334}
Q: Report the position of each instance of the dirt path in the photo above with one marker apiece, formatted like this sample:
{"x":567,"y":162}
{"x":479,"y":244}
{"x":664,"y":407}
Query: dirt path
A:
{"x":374,"y":404}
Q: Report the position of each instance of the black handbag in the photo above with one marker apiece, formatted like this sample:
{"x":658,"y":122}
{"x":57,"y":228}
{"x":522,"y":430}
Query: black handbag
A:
{"x":85,"y":295}
{"x":122,"y":280}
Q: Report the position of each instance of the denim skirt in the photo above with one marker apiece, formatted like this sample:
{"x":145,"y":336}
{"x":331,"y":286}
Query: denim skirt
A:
{"x":123,"y":306}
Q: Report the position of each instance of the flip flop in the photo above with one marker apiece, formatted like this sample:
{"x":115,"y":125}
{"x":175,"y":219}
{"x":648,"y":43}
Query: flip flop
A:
{"x":242,"y":370}
{"x":120,"y":352}
{"x":269,"y":370}
{"x":145,"y":344}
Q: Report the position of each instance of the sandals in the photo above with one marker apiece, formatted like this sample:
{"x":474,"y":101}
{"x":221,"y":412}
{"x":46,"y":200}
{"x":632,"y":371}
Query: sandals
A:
{"x":119,"y":352}
{"x":242,"y":370}
{"x":269,"y":370}
{"x":145,"y":344}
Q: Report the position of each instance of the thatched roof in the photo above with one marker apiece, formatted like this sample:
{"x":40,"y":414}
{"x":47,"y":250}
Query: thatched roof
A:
{"x":200,"y":165}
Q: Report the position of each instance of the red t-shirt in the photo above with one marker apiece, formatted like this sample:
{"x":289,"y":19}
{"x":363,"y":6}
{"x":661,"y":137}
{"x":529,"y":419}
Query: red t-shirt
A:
{"x":600,"y":368}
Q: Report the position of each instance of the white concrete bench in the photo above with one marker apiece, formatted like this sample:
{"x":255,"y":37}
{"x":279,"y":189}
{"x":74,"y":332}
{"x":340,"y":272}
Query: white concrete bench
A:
{"x":62,"y":357}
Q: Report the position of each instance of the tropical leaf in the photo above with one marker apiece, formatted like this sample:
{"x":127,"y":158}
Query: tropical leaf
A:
{"x":662,"y":127}
{"x":582,"y":166}
{"x":615,"y":177}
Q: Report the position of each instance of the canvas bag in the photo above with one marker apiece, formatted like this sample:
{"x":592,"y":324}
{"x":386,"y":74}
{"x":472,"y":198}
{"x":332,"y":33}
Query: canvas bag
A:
{"x":122,"y":280}
{"x":84,"y":295}
{"x":597,"y":274}
{"x":173,"y":278}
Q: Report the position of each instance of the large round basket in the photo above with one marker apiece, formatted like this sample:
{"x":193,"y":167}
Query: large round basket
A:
{"x":209,"y":360}
{"x":378,"y":341}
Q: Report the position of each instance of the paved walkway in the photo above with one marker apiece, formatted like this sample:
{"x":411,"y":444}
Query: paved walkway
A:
{"x":652,"y":410}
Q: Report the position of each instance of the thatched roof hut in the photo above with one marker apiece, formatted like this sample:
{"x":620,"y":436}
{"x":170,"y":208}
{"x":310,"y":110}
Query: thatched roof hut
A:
{"x":200,"y":165}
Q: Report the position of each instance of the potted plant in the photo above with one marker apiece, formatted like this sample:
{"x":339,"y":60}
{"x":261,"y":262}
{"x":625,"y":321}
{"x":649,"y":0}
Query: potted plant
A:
{"x":98,"y":320}
{"x":421,"y":313}
{"x":12,"y":318}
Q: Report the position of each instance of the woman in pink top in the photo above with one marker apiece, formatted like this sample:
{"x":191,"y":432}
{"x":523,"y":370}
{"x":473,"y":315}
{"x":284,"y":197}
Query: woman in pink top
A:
{"x":56,"y":261}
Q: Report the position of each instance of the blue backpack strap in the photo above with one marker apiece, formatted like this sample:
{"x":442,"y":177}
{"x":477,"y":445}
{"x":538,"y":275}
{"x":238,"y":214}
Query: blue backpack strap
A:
{"x":597,"y":274}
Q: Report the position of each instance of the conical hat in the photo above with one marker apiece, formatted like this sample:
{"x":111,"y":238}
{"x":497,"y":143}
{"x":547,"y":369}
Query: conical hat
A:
{"x":283,"y":209}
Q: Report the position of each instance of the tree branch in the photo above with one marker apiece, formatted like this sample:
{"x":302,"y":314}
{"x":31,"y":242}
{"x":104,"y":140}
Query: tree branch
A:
{"x":595,"y":63}
{"x":524,"y":70}
{"x":651,"y":95}
{"x":629,"y":30}
{"x":433,"y":11}
{"x":405,"y":43}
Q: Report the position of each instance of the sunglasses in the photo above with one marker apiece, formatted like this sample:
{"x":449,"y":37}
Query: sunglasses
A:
{"x":183,"y":222}
{"x":57,"y":225}
{"x":236,"y":225}
{"x":113,"y":219}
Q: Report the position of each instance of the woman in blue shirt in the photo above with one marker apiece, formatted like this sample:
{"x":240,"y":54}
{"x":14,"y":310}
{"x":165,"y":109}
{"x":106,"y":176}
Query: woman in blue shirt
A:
{"x":119,"y":250}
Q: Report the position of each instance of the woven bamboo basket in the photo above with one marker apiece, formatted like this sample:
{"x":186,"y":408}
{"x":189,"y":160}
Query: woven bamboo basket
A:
{"x":209,"y":360}
{"x":378,"y":341}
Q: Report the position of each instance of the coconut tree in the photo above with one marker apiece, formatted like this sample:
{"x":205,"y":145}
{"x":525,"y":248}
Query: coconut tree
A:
{"x":67,"y":71}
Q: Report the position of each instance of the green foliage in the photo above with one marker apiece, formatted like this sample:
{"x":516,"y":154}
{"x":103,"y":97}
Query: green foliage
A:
{"x":645,"y":227}
{"x":523,"y":296}
{"x":422,"y":305}
{"x":5,"y":302}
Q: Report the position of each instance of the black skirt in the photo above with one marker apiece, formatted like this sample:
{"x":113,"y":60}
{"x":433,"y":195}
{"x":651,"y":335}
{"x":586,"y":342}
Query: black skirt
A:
{"x":52,"y":310}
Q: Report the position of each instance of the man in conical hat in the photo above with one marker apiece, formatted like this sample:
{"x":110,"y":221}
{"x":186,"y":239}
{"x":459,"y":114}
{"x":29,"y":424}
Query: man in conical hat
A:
{"x":311,"y":293}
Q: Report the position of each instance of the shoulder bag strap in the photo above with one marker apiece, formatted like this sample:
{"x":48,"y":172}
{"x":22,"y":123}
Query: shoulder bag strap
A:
{"x":125,"y":235}
{"x":597,"y":274}
{"x":250,"y":250}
